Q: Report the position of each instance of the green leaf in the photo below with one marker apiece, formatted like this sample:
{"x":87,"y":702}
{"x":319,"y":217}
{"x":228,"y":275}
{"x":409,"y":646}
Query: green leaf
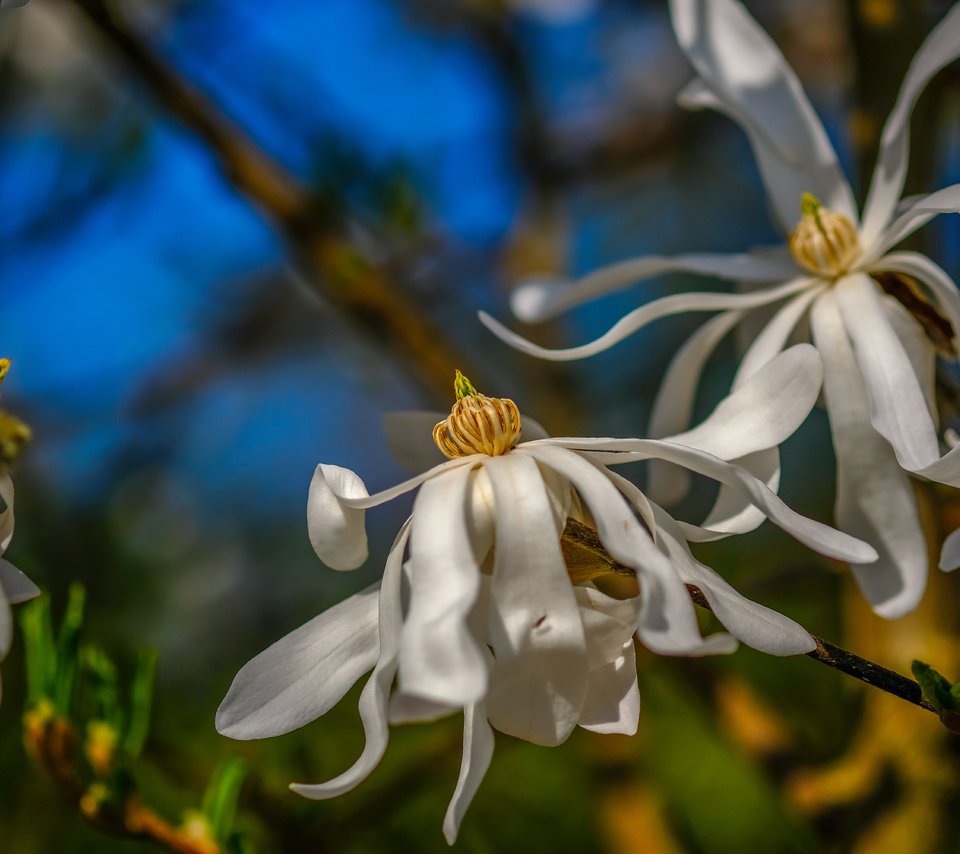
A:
{"x":141,"y":700}
{"x":68,"y":642}
{"x":220,"y":799}
{"x":936,"y":689}
{"x":40,"y":651}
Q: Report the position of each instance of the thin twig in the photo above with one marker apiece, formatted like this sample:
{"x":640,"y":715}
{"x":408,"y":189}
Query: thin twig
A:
{"x":310,"y":224}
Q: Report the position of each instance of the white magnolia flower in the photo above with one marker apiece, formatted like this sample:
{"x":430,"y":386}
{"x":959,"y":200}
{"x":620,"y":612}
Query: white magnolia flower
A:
{"x":492,"y":623}
{"x":15,"y":587}
{"x":829,"y":278}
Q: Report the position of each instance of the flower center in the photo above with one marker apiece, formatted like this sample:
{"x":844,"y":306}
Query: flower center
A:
{"x":824,"y":242}
{"x":477,"y":424}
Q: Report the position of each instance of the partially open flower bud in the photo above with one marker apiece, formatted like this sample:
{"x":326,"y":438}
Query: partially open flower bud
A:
{"x":824,"y":242}
{"x":477,"y":424}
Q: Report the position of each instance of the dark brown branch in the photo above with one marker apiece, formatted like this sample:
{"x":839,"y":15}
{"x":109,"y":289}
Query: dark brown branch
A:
{"x":309,"y":223}
{"x":587,"y":558}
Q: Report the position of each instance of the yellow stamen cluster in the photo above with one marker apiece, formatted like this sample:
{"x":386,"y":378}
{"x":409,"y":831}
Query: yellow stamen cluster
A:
{"x":824,"y":242}
{"x":14,"y":434}
{"x":477,"y":424}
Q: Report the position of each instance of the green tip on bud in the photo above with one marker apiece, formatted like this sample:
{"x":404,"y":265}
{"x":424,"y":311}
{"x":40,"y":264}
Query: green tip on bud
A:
{"x":462,"y":387}
{"x":810,"y":205}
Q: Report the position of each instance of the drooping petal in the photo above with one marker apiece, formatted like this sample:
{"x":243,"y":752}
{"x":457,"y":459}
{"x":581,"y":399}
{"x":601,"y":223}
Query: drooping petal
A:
{"x":645,"y":314}
{"x":537,"y":299}
{"x":817,"y":536}
{"x":667,"y":622}
{"x":910,"y":217}
{"x":899,"y":410}
{"x":336,"y":505}
{"x":478,"y":743}
{"x":613,"y":696}
{"x":919,"y":349}
{"x":673,"y":405}
{"x":376,"y":693}
{"x":771,"y":340}
{"x":15,"y":585}
{"x":950,"y":553}
{"x":410,"y":437}
{"x":305,"y":674}
{"x":764,"y":411}
{"x":6,"y":515}
{"x":539,"y":677}
{"x":875,"y":499}
{"x":932,"y":276}
{"x":732,"y":511}
{"x":745,"y":72}
{"x":749,"y":622}
{"x":939,"y":49}
{"x":405,"y":709}
{"x":640,"y":503}
{"x":439,"y":658}
{"x":608,"y":624}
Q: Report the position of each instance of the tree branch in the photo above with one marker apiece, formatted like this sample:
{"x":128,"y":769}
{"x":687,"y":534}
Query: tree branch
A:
{"x":313,"y":230}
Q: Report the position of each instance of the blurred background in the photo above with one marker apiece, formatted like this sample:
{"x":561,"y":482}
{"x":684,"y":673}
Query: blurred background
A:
{"x":235,"y":234}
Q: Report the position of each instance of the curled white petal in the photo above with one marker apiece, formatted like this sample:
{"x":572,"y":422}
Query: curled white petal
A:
{"x":478,"y":743}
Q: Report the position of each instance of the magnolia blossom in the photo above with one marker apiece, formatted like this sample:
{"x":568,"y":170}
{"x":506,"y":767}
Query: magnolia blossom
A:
{"x":15,"y":587}
{"x":491,"y":621}
{"x":876,"y":314}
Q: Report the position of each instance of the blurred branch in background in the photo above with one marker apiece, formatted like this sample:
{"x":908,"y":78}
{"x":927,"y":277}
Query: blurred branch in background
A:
{"x":316,"y":233}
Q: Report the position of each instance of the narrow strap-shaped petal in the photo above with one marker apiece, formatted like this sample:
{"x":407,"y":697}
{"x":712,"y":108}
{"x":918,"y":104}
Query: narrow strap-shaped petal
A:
{"x":538,"y":299}
{"x":439,"y":658}
{"x":918,"y":213}
{"x":613,"y":696}
{"x":6,"y":515}
{"x":608,"y":623}
{"x":629,"y":490}
{"x":774,"y":336}
{"x":539,"y":677}
{"x":932,"y":276}
{"x":875,"y":498}
{"x":919,"y":349}
{"x":814,"y":534}
{"x":376,"y":693}
{"x":15,"y":585}
{"x":667,"y":621}
{"x":939,"y":49}
{"x":764,"y":411}
{"x":478,"y":742}
{"x":749,"y":622}
{"x":746,"y":73}
{"x":304,"y":674}
{"x":899,"y":410}
{"x":673,"y":406}
{"x":336,"y":505}
{"x":950,"y":553}
{"x":646,"y":314}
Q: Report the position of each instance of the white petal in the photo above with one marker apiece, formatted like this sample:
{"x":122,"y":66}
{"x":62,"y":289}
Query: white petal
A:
{"x":764,"y":411}
{"x":405,"y":709}
{"x":817,"y":536}
{"x":540,"y":299}
{"x":910,"y":217}
{"x":304,"y":674}
{"x":6,"y":626}
{"x":774,"y":336}
{"x":613,"y":697}
{"x":6,"y":515}
{"x":875,"y":499}
{"x":410,"y":437}
{"x":375,"y":695}
{"x":608,"y":624}
{"x":748,"y":76}
{"x":939,"y":49}
{"x":629,"y":490}
{"x":673,"y":405}
{"x":732,"y":511}
{"x":335,"y":510}
{"x":919,"y":349}
{"x":439,"y":658}
{"x":749,"y":622}
{"x":667,"y":621}
{"x":640,"y":317}
{"x":932,"y":276}
{"x":899,"y":410}
{"x":15,"y":586}
{"x":539,"y":677}
{"x":950,"y":553}
{"x":478,"y":742}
